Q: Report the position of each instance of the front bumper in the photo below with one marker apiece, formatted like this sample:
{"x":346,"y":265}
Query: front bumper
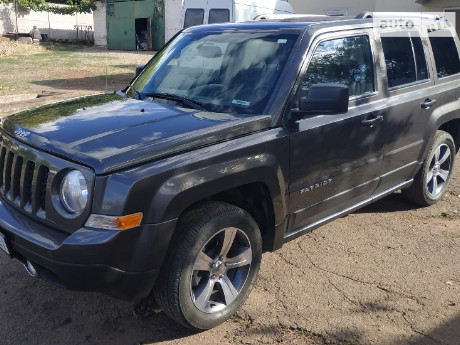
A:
{"x":123,"y":264}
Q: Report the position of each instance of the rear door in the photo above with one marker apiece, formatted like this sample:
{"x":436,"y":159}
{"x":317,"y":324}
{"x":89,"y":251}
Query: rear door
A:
{"x":446,"y":47}
{"x":412,"y":100}
{"x":336,"y":159}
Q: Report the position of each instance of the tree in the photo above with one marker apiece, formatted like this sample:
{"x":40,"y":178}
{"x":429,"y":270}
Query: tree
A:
{"x":73,"y":6}
{"x":30,"y":4}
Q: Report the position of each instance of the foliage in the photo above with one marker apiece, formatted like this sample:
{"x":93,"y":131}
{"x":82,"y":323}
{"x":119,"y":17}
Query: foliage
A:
{"x":73,"y":6}
{"x":30,"y":4}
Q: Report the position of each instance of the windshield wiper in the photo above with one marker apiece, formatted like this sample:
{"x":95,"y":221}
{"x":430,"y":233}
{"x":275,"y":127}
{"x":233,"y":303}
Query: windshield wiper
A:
{"x":185,"y":101}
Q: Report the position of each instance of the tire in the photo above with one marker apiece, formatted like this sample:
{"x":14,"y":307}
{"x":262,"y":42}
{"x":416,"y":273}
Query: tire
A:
{"x":211,"y":266}
{"x":433,"y":178}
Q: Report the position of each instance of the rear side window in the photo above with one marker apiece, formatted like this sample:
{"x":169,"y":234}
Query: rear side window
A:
{"x":445,"y":54}
{"x":193,"y":16}
{"x":405,"y":60}
{"x":219,"y":15}
{"x":346,"y":61}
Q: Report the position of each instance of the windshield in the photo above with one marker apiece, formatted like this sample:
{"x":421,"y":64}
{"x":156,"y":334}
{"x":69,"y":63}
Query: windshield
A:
{"x":221,"y":71}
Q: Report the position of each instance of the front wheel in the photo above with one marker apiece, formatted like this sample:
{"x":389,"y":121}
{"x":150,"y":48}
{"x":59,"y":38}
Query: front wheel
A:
{"x":211,"y":266}
{"x":433,"y":178}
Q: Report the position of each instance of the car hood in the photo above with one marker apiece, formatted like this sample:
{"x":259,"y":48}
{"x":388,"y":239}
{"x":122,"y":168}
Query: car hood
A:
{"x":110,"y":132}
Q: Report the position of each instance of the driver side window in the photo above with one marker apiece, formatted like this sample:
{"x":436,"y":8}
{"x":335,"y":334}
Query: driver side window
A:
{"x":346,"y":61}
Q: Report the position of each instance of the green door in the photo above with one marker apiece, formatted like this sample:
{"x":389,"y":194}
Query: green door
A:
{"x":121,"y":26}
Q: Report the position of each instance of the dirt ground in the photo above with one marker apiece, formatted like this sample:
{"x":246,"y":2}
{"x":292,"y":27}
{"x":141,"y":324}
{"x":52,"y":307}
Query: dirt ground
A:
{"x":388,"y":274}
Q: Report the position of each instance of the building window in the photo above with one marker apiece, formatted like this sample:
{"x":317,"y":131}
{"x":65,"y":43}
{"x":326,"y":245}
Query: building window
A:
{"x":219,"y":15}
{"x":193,"y":16}
{"x":110,"y":10}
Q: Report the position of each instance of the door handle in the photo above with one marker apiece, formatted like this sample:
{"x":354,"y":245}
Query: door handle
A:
{"x":428,"y":103}
{"x":371,"y":120}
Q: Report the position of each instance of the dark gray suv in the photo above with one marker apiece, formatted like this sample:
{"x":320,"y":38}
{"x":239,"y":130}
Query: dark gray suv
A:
{"x":234,"y":139}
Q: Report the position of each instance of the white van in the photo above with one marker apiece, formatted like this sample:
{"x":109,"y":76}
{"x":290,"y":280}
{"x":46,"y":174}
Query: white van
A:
{"x":197,"y":12}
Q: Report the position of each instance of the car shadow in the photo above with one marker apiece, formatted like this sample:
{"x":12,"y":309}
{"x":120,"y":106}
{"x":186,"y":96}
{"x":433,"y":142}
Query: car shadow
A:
{"x":394,"y":202}
{"x":36,"y":312}
{"x":447,"y":333}
{"x":101,"y":83}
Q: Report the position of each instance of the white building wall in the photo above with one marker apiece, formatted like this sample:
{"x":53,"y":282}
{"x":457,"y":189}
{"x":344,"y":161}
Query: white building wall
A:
{"x":100,"y":24}
{"x":353,"y":7}
{"x":6,"y":18}
{"x":54,"y":25}
{"x":350,"y":8}
{"x":173,"y":14}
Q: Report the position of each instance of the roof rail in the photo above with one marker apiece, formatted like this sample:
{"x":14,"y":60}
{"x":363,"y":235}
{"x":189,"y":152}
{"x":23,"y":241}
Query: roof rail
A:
{"x":417,"y":15}
{"x":288,"y":16}
{"x":364,"y":15}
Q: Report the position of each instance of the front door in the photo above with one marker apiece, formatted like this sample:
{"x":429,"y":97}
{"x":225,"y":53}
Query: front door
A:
{"x":336,"y":159}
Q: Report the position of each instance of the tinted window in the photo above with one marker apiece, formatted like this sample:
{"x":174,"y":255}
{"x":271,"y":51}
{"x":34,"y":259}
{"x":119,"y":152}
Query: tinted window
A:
{"x":445,"y":54}
{"x":420,"y":59}
{"x":345,"y":61}
{"x":404,"y":59}
{"x":193,"y":16}
{"x":219,"y":15}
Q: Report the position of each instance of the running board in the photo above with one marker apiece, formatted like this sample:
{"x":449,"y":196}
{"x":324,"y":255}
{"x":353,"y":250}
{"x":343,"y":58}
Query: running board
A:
{"x":296,"y":233}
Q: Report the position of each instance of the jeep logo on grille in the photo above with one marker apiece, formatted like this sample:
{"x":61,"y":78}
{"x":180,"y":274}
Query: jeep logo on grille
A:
{"x":21,"y":133}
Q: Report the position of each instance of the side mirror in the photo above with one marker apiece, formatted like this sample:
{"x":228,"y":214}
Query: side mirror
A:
{"x":139,"y":69}
{"x":323,"y":99}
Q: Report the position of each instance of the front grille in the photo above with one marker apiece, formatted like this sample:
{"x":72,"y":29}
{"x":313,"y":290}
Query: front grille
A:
{"x":23,"y":182}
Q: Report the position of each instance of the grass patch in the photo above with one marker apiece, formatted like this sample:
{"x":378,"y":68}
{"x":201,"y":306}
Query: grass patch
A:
{"x":445,"y":215}
{"x":7,"y":88}
{"x":351,"y":342}
{"x":247,"y":323}
{"x":64,"y":68}
{"x":302,"y":332}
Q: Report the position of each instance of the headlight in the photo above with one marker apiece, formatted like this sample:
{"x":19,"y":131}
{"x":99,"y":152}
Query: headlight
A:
{"x":74,"y":192}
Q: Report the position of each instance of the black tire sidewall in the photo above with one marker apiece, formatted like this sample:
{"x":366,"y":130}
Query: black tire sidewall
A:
{"x":235,"y":218}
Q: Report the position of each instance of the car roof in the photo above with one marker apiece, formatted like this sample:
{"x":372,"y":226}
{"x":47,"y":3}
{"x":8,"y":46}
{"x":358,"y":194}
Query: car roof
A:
{"x":313,"y":22}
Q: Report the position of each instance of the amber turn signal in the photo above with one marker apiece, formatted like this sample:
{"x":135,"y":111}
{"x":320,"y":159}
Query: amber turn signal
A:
{"x":128,"y":222}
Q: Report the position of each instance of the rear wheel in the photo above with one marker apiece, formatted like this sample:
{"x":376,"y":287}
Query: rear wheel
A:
{"x":433,"y":178}
{"x":211,"y":267}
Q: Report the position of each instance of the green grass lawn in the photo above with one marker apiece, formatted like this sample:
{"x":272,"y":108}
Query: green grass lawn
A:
{"x":32,"y":68}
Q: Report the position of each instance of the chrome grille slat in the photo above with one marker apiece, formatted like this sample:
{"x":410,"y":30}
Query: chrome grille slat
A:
{"x":2,"y":164}
{"x":7,"y":175}
{"x":26,"y":190}
{"x":16,"y":180}
{"x":39,"y":192}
